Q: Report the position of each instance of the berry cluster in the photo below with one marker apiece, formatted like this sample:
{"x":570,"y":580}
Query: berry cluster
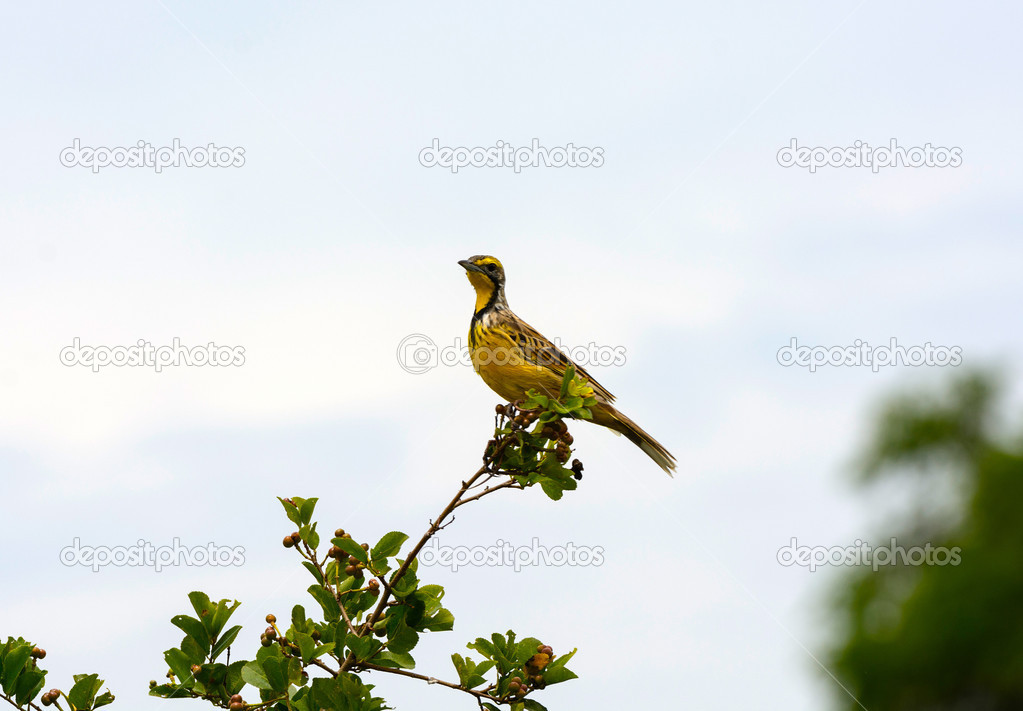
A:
{"x":518,"y":419}
{"x":555,"y":430}
{"x":50,"y":696}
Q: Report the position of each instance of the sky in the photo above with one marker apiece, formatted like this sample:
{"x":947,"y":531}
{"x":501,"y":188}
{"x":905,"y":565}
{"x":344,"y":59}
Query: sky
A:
{"x":690,"y":248}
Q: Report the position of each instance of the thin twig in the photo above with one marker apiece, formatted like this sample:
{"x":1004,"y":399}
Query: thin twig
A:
{"x":427,"y":679}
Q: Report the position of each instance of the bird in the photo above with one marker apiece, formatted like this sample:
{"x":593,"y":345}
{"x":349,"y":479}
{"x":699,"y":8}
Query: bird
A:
{"x":529,"y":360}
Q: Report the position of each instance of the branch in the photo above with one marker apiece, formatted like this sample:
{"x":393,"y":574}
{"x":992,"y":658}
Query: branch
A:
{"x":428,"y":680}
{"x":11,"y":701}
{"x":435,"y":526}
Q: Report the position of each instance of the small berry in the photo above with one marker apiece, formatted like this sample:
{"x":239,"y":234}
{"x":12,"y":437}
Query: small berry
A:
{"x":380,"y":632}
{"x":315,"y":634}
{"x":514,"y":687}
{"x":295,"y":537}
{"x":365,"y":546}
{"x":350,"y":570}
{"x":339,"y":533}
{"x":238,"y":698}
{"x":46,"y":699}
{"x":152,"y":683}
{"x":546,"y":649}
{"x":270,"y":619}
{"x":567,"y":438}
{"x":270,"y":633}
{"x":264,"y":641}
{"x":288,"y":543}
{"x":499,"y":409}
{"x":38,"y":653}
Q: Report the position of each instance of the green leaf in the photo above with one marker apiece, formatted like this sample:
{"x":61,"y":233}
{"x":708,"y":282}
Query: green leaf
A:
{"x":234,"y":681}
{"x":85,"y":689}
{"x":225,"y":642}
{"x":191,"y":649}
{"x":322,"y":649}
{"x":252,"y":673}
{"x":362,"y":647}
{"x":388,"y":545}
{"x":221,"y":615}
{"x":569,"y":374}
{"x":561,"y":660}
{"x":531,"y":705}
{"x":556,"y":676}
{"x":275,"y":670}
{"x":306,"y":510}
{"x":404,"y":640}
{"x":103,"y":699}
{"x":291,"y":511}
{"x":306,"y":645}
{"x":194,"y":629}
{"x":310,"y":536}
{"x":29,"y":684}
{"x":349,"y":546}
{"x":443,"y":621}
{"x":14,"y":662}
{"x":298,"y":618}
{"x":552,"y":488}
{"x":398,"y":660}
{"x":314,"y":570}
{"x":180,"y":664}
{"x":202,"y":606}
{"x":331,"y":610}
{"x":168,"y":691}
{"x":484,"y":647}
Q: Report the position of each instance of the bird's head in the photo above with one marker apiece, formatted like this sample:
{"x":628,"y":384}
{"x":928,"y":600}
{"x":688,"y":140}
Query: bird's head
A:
{"x":486,"y":274}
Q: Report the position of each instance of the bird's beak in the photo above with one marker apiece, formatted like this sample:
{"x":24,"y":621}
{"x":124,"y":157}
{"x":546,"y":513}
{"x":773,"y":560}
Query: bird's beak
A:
{"x":469,"y":266}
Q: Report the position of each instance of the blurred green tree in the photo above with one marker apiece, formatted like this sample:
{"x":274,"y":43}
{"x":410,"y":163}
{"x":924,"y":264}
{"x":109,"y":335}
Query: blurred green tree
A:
{"x":930,"y":637}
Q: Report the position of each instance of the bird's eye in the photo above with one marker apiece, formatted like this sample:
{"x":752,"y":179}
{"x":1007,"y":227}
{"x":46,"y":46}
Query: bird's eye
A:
{"x":491,"y":267}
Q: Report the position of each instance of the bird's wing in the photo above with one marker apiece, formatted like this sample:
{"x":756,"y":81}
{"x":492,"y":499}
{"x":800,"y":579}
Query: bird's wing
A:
{"x":539,"y":351}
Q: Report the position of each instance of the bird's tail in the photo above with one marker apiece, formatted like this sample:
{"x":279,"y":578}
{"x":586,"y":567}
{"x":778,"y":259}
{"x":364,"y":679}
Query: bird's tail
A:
{"x":606,"y":415}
